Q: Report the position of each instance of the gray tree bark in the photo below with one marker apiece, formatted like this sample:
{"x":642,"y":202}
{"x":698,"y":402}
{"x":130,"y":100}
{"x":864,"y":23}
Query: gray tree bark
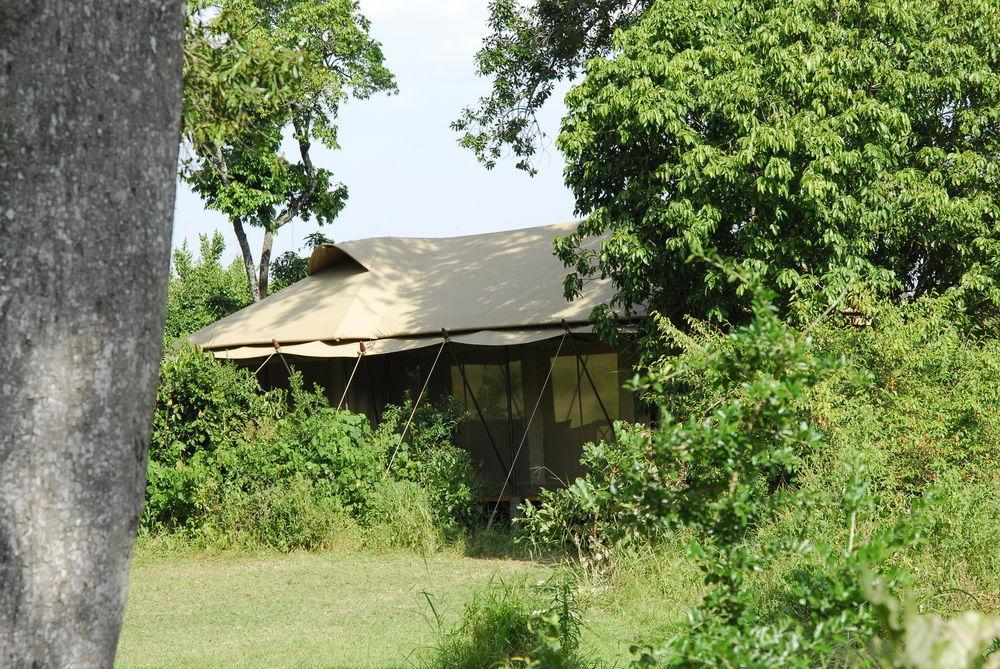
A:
{"x":89,"y":126}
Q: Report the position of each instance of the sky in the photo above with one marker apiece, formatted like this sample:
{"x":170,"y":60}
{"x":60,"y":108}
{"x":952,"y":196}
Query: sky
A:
{"x":401,"y":162}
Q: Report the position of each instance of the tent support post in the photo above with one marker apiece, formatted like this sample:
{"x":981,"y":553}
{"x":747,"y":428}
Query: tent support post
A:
{"x":277,"y":352}
{"x":347,"y":386}
{"x":266,"y":360}
{"x":593,"y":386}
{"x":416,"y":404}
{"x":527,"y":426}
{"x":371,"y":393}
{"x":285,"y":362}
{"x":475,"y":403}
{"x":510,"y":418}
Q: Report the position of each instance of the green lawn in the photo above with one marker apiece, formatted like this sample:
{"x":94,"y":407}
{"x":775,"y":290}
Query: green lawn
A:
{"x":302,"y":609}
{"x":355,"y":609}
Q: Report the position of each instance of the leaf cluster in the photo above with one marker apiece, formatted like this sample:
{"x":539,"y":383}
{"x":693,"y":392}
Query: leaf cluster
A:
{"x":232,"y":464}
{"x":256,"y":71}
{"x":202,"y":290}
{"x":834,"y":151}
{"x":530,"y":48}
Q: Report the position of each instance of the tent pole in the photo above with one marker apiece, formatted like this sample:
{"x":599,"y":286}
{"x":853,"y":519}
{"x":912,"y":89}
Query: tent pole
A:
{"x":527,"y":426}
{"x":371,"y":392}
{"x":277,"y":351}
{"x":287,"y":368}
{"x":475,"y":403}
{"x":510,"y":418}
{"x":343,"y":371}
{"x":266,"y":360}
{"x":590,"y":379}
{"x":347,"y":386}
{"x":415,"y":405}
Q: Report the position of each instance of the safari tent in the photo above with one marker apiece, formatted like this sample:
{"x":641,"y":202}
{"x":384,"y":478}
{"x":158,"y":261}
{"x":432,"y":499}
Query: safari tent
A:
{"x":480,"y":317}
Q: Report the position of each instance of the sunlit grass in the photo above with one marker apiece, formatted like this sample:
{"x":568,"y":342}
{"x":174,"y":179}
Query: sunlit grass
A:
{"x":302,"y":609}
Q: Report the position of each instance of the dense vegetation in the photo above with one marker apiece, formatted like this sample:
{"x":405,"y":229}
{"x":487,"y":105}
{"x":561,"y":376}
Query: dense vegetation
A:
{"x":815,"y":471}
{"x":255,"y":72}
{"x":833,"y":151}
{"x":802,"y":197}
{"x":232,"y":465}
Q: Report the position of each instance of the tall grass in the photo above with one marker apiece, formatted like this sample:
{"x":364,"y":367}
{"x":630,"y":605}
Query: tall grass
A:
{"x":515,"y":625}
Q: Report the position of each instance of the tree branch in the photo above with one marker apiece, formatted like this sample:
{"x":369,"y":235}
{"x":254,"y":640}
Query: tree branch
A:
{"x":296,"y":204}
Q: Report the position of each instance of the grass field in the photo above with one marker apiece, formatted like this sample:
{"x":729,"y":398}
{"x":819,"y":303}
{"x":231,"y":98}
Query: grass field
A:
{"x":300,"y":609}
{"x":349,"y":609}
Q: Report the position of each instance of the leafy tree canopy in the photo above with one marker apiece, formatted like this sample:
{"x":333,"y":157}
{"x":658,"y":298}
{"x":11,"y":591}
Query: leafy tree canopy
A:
{"x":531,"y":47}
{"x":290,"y":267}
{"x":202,"y":290}
{"x":827,"y":149}
{"x":258,"y":72}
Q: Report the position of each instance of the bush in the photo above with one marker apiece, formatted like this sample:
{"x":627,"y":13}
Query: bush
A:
{"x":400,"y":514}
{"x":512,"y":626}
{"x":803,"y":461}
{"x":201,"y":406}
{"x":232,"y":464}
{"x":612,"y":506}
{"x":202,"y":290}
{"x":297,"y":513}
{"x":428,"y":457}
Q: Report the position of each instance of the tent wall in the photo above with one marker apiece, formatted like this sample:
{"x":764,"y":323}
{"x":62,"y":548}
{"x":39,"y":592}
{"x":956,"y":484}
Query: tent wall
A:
{"x":568,"y":416}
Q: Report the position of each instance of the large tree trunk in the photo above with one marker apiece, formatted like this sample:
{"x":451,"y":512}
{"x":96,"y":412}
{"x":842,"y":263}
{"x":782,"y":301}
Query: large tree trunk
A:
{"x":89,"y":125}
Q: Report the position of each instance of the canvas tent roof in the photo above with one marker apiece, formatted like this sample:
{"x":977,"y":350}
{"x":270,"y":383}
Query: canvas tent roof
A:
{"x":407,"y":290}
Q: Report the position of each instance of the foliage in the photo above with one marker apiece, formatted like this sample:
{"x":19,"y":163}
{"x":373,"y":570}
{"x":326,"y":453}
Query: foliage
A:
{"x":610,"y":507}
{"x":531,"y":47}
{"x":201,"y":405}
{"x":401,"y":514}
{"x":232,"y":464}
{"x":827,"y":149}
{"x":290,"y":267}
{"x":202,"y":291}
{"x":286,"y":269}
{"x":915,"y":641}
{"x":254,"y":71}
{"x":717,"y":469}
{"x":428,"y":457}
{"x":513,"y":627}
{"x":789,"y":524}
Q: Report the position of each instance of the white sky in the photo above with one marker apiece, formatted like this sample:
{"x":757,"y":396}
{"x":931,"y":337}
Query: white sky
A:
{"x":401,"y":162}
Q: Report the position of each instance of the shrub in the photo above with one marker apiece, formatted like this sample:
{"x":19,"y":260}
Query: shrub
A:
{"x":201,"y":405}
{"x":511,"y":626}
{"x":202,"y":290}
{"x":297,"y":513}
{"x":283,"y":469}
{"x":400,"y":514}
{"x":428,"y":457}
{"x":803,"y":461}
{"x":612,"y":505}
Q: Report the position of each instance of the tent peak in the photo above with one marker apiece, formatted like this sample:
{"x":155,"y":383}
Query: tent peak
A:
{"x":357,"y":250}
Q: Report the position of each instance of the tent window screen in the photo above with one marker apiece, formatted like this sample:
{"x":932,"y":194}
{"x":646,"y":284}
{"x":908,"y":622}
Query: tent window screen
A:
{"x":489,"y":385}
{"x":575,"y":404}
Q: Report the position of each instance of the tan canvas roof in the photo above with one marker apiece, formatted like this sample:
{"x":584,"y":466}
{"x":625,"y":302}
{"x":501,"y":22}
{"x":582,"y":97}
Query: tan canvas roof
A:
{"x":397,"y":288}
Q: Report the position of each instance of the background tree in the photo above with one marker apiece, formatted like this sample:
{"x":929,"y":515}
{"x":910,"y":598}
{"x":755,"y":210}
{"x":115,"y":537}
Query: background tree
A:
{"x":531,"y":47}
{"x":829,"y":150}
{"x":257,"y":74}
{"x":90,"y":96}
{"x":290,"y":267}
{"x":202,"y":290}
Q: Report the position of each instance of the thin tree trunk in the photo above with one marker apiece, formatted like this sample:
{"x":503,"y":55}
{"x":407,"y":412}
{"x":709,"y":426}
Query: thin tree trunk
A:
{"x":89,"y":123}
{"x":265,"y":263}
{"x":248,"y":264}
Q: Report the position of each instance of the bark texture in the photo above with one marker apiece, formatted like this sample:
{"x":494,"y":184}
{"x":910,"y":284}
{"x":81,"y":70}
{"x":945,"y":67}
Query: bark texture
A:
{"x":89,"y":125}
